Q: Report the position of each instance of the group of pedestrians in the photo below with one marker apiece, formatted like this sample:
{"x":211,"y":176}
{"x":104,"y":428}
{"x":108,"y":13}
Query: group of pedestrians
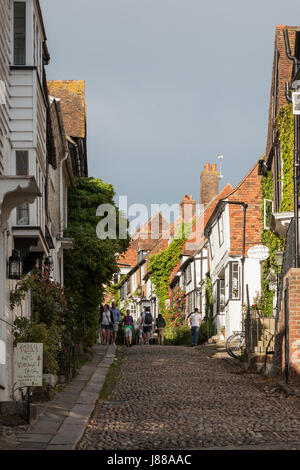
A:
{"x":143,"y":328}
{"x":110,"y":318}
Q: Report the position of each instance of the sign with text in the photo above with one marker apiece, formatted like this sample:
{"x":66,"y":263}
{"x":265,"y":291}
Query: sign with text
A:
{"x":29,"y":364}
{"x":259,"y":252}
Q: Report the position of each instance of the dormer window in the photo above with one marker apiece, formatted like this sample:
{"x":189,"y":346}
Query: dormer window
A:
{"x":20,"y":33}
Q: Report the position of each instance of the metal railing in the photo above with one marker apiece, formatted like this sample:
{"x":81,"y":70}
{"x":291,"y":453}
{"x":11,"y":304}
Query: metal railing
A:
{"x":260,"y":333}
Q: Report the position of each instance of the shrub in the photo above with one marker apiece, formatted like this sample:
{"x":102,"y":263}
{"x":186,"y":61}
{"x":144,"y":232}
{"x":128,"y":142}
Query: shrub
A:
{"x":40,"y":333}
{"x":179,"y":336}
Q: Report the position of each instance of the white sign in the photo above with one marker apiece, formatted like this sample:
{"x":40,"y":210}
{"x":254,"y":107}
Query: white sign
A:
{"x":29,"y":364}
{"x":2,"y":353}
{"x":259,"y":252}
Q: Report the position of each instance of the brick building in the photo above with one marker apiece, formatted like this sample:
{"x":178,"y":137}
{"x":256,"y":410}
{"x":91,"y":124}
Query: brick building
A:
{"x":287,"y":345}
{"x":190,"y":272}
{"x":230,"y":268}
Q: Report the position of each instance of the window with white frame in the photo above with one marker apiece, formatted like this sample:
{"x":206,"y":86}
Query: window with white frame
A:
{"x":234,"y":280}
{"x":133,"y":310}
{"x":222,"y":294}
{"x":188,"y":272}
{"x":22,"y":170}
{"x":211,"y":246}
{"x":134,"y":283}
{"x":221,"y":230}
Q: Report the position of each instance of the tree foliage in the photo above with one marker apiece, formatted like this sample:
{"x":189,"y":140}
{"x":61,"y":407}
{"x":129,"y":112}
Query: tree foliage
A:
{"x":92,"y":262}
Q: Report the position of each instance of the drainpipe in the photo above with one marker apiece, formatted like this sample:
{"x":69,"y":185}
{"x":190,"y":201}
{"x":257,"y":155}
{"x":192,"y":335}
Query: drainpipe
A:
{"x":276,"y":164}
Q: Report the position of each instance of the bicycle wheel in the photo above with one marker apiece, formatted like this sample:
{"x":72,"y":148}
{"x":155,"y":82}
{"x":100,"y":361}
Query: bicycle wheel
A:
{"x":235,"y":345}
{"x":228,"y":341}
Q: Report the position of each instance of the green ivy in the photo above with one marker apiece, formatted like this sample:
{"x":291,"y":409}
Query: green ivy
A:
{"x":285,"y":127}
{"x":114,"y":289}
{"x":274,"y":243}
{"x":208,"y":327}
{"x":92,"y":262}
{"x":161,"y":266}
{"x":208,"y":297}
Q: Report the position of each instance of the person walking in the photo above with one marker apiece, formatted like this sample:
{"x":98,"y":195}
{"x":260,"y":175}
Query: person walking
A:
{"x":117,"y":318}
{"x":128,"y":326}
{"x":147,"y":325}
{"x":139,"y":329}
{"x":195,"y":319}
{"x":160,"y":325}
{"x":106,"y":323}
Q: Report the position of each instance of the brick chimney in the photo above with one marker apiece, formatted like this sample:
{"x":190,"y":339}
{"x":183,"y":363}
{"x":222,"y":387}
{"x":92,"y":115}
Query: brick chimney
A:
{"x":187,"y":208}
{"x":209,"y":184}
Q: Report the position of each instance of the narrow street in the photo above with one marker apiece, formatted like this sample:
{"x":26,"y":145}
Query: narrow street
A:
{"x":183,"y":398}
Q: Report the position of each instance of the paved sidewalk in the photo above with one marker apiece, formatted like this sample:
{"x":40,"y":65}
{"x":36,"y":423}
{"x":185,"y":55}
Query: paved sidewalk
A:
{"x":64,"y":419}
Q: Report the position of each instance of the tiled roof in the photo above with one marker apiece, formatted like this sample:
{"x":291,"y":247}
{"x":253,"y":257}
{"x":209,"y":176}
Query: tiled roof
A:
{"x":72,"y":96}
{"x":141,"y":240}
{"x":199,"y":225}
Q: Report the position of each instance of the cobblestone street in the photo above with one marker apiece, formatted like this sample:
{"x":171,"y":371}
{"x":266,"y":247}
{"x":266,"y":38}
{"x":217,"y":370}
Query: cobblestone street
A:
{"x":183,"y":398}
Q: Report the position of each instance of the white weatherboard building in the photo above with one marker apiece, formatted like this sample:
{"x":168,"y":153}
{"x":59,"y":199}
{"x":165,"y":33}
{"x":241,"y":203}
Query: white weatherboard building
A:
{"x":233,"y":228}
{"x":228,"y":275}
{"x":35,"y":165}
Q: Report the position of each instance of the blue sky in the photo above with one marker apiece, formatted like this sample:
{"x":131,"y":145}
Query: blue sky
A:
{"x":170,"y":85}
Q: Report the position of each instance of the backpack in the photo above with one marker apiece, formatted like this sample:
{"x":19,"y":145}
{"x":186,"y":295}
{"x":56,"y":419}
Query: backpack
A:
{"x":148,"y":318}
{"x":161,"y":322}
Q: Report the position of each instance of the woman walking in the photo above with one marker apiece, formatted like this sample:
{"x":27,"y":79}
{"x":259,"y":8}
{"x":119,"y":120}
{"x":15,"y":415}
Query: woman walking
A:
{"x":106,"y":322}
{"x":128,"y":326}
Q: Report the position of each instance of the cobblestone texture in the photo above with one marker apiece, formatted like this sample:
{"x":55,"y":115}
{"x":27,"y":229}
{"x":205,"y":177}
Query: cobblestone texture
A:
{"x":183,"y":398}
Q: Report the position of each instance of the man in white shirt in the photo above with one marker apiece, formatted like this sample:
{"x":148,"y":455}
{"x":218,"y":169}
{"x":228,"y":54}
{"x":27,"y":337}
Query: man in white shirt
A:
{"x":195,"y":319}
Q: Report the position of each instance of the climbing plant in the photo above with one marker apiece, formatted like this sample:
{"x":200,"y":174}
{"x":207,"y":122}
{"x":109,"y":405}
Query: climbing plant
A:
{"x":208,"y":327}
{"x":162,"y":264}
{"x":175,"y":311}
{"x":285,"y":130}
{"x":92,"y":262}
{"x":285,"y":127}
{"x":274,"y":243}
{"x":113,"y":290}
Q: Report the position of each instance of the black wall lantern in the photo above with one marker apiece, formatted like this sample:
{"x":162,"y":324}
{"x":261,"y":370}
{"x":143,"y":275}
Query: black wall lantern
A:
{"x":15,"y":266}
{"x":48,"y":262}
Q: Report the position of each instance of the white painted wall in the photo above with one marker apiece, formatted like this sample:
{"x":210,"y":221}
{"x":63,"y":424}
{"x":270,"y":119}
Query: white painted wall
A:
{"x":220,"y":251}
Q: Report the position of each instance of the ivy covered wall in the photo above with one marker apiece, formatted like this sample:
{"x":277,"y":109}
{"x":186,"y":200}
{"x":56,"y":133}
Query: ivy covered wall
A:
{"x":285,"y":129}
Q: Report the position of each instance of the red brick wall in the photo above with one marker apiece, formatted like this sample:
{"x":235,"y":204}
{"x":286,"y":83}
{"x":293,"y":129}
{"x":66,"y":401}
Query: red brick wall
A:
{"x":248,"y":191}
{"x":285,"y":67}
{"x":293,"y":277}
